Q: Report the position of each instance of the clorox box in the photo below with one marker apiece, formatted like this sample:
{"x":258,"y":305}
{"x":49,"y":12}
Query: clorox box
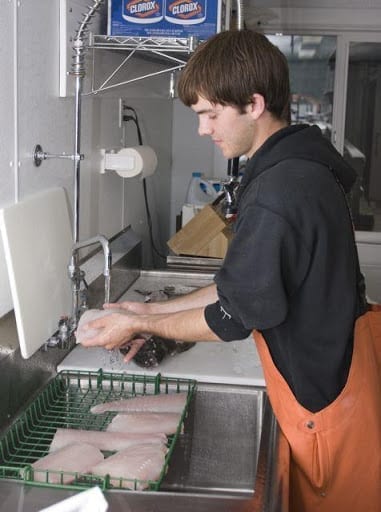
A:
{"x":168,"y":18}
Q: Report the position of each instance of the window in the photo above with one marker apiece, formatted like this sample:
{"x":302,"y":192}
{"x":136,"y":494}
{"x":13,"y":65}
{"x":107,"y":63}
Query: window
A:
{"x":312,"y":62}
{"x":362,"y":142}
{"x":312,"y":74}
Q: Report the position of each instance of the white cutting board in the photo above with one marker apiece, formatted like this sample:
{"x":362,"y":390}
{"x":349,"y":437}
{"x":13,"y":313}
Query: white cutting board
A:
{"x":37,"y":238}
{"x":234,"y":362}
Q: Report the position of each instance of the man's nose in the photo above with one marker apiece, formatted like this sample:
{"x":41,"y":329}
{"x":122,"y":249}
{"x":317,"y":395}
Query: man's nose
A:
{"x":204,"y":127}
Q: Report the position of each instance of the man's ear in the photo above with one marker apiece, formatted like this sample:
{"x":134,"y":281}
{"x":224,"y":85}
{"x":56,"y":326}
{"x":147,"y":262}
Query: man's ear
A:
{"x":257,"y":106}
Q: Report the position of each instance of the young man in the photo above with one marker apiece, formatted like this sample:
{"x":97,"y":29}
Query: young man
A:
{"x":291,"y":275}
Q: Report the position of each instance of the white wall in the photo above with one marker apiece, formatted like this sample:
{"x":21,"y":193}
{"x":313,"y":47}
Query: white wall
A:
{"x":190,"y":153}
{"x":7,"y":136}
{"x":32,"y":112}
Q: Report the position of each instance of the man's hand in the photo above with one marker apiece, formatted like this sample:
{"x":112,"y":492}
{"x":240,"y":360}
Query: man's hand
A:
{"x":134,"y":346}
{"x":138,"y":308}
{"x":115,"y":330}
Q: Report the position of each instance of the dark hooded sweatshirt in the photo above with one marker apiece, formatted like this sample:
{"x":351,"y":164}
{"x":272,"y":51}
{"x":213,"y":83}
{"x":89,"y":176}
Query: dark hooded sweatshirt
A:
{"x":291,"y":270}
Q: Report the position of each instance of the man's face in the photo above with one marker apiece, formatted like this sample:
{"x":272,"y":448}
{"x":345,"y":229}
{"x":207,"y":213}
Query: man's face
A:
{"x":231,"y":131}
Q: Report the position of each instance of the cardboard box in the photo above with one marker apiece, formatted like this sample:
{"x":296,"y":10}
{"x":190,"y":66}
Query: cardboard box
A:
{"x":206,"y":234}
{"x":168,"y":18}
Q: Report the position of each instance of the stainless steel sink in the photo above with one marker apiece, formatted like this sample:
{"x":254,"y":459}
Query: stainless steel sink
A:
{"x":226,"y":461}
{"x":21,"y":379}
{"x":218,"y":452}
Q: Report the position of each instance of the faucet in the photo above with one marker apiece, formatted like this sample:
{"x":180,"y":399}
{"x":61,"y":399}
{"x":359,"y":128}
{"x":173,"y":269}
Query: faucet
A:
{"x":77,"y":275}
{"x":230,"y":187}
{"x":229,"y":204}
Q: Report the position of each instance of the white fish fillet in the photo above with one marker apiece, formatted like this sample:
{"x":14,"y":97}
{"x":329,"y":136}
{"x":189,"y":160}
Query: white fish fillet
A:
{"x":88,"y":316}
{"x":145,"y":422}
{"x":172,"y":402}
{"x":141,"y":462}
{"x":77,"y":457}
{"x":107,"y":441}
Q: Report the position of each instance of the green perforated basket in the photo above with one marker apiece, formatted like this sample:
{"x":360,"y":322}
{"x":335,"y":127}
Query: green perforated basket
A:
{"x":65,"y":403}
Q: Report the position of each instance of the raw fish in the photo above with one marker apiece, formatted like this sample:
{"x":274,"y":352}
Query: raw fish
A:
{"x":145,"y":422}
{"x":140,"y":462}
{"x":107,"y":441}
{"x":155,"y":349}
{"x":88,"y":316}
{"x":77,"y":457}
{"x":173,"y":402}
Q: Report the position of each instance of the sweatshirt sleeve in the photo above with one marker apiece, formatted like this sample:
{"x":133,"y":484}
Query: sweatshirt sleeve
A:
{"x":222,"y":323}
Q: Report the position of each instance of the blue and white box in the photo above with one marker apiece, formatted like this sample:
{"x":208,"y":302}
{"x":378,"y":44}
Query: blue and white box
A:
{"x":168,"y":18}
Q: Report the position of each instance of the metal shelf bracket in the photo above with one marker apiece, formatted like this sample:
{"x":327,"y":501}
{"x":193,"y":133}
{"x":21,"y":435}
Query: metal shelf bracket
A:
{"x":174,"y":51}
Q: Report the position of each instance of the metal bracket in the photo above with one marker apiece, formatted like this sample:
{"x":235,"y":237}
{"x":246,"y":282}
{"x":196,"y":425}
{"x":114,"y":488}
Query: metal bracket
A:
{"x":39,"y":155}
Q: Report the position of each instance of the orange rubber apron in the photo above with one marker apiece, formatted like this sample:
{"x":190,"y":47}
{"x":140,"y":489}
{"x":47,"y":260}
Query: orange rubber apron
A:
{"x":335,"y":453}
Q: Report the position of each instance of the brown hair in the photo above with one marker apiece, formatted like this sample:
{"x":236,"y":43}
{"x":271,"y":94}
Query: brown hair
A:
{"x":231,"y":66}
